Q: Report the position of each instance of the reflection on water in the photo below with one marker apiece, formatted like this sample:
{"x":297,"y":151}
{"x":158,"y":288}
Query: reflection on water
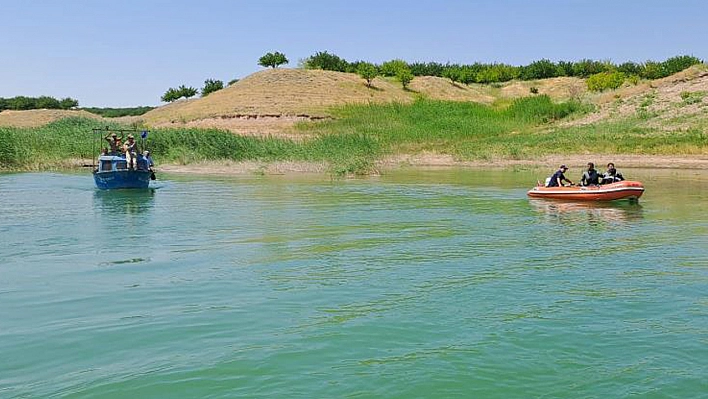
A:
{"x":591,"y":212}
{"x":124,"y":202}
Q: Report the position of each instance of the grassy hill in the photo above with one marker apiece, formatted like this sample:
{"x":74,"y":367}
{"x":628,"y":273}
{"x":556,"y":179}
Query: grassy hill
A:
{"x":271,"y":101}
{"x":352,"y":128}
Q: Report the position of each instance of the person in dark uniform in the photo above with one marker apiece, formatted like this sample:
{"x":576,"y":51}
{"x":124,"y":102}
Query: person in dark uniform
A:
{"x":559,"y":177}
{"x":612,"y":175}
{"x":591,"y":177}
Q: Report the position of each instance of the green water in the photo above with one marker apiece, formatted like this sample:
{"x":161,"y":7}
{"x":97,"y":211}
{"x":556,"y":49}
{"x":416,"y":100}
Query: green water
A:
{"x":420,"y":284}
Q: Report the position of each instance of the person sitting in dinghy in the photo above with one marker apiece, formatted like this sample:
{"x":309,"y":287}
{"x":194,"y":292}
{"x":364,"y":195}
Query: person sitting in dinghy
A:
{"x":590,"y":177}
{"x":559,"y":177}
{"x":612,"y":175}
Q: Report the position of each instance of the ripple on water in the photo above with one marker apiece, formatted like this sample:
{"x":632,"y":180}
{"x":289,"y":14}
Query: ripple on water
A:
{"x":434,"y":285}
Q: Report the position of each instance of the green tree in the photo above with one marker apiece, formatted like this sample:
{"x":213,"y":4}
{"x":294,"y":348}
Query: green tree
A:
{"x":187,"y":92}
{"x":405,"y":76}
{"x":454,"y":73}
{"x":367,"y":71}
{"x":391,"y":68}
{"x":232,"y":81}
{"x":21,"y":103}
{"x":46,"y":102}
{"x":678,"y":64}
{"x":651,"y":70}
{"x":629,"y":68}
{"x":541,"y":69}
{"x":170,"y":95}
{"x":326,"y":61}
{"x":210,"y":86}
{"x":272,"y":60}
{"x":68,"y":103}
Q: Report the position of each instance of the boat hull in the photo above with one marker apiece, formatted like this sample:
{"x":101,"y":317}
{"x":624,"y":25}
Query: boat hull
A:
{"x":122,"y":179}
{"x":630,"y":190}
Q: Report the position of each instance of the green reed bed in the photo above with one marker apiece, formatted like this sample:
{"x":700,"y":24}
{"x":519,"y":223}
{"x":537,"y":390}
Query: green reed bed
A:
{"x":56,"y":144}
{"x":362,"y":134}
{"x":466,"y":130}
{"x":525,"y":129}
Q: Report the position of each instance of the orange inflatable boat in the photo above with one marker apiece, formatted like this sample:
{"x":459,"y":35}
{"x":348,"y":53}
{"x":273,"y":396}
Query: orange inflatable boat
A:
{"x":627,"y":189}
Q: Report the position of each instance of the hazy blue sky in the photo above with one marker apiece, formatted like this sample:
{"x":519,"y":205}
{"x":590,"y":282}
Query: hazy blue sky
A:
{"x":126,"y":52}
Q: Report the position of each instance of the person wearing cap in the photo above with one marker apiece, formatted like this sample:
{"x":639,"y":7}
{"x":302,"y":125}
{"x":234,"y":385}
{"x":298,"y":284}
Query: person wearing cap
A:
{"x":113,"y":142}
{"x":590,"y":177}
{"x":559,"y":177}
{"x":131,"y":147}
{"x":148,"y":160}
{"x":612,"y":175}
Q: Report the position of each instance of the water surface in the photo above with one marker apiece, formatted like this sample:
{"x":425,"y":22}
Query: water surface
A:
{"x":417,"y":284}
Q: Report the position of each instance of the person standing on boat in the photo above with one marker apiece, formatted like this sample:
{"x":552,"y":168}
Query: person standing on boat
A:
{"x":114,"y":142}
{"x":131,"y":149}
{"x":612,"y":175}
{"x":148,"y":160}
{"x":591,"y":177}
{"x":559,"y":177}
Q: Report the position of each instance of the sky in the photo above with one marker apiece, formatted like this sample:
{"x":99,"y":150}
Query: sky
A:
{"x":127,"y":53}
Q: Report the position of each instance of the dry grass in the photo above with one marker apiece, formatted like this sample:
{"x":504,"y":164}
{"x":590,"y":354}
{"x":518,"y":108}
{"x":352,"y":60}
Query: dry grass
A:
{"x":281,"y":92}
{"x":559,"y":89}
{"x":443,"y":89}
{"x":657,"y":102}
{"x":270,"y":102}
{"x":40,"y":117}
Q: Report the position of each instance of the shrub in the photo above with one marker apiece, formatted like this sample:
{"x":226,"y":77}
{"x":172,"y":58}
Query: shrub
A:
{"x":605,"y":81}
{"x":692,"y":97}
{"x":541,"y":109}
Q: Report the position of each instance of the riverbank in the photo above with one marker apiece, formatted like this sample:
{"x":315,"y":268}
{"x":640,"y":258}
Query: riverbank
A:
{"x":575,"y":162}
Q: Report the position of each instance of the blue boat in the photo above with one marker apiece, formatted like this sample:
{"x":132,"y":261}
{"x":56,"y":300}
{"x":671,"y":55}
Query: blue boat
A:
{"x":112,"y":171}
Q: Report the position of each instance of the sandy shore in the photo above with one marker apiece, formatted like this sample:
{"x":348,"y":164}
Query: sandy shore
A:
{"x":431,"y":160}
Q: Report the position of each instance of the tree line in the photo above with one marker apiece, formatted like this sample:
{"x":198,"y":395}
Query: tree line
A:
{"x":600,"y":75}
{"x":607,"y":74}
{"x":22,"y":103}
{"x":272,"y":60}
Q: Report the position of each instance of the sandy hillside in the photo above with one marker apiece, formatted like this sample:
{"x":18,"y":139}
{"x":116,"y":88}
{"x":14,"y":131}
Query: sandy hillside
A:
{"x":290,"y":93}
{"x":40,"y":117}
{"x":271,"y":101}
{"x":679,"y":101}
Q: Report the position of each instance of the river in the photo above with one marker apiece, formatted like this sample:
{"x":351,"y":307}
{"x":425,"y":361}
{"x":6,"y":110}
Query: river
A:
{"x":415,"y":284}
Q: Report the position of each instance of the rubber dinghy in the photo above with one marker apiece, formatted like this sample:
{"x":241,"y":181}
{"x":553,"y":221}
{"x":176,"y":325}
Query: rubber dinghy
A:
{"x":626,"y":189}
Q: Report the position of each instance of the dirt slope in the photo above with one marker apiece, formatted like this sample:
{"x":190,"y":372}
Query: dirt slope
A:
{"x":679,"y":101}
{"x":271,"y":101}
{"x":40,"y":117}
